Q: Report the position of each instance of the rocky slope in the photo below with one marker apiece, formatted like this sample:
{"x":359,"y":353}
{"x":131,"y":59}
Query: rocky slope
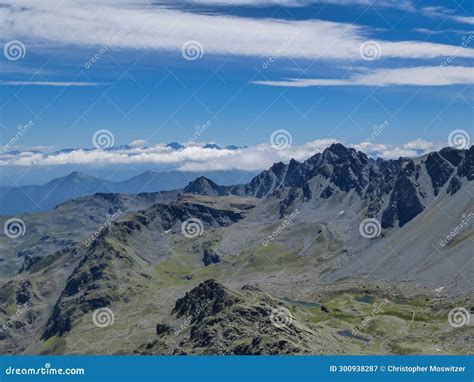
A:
{"x":115,"y":265}
{"x":294,"y":230}
{"x":213,"y":319}
{"x":216,"y":320}
{"x":395,"y":191}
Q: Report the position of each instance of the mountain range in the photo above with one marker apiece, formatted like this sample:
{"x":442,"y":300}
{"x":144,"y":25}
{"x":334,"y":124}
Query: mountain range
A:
{"x":339,"y":254}
{"x":34,"y":198}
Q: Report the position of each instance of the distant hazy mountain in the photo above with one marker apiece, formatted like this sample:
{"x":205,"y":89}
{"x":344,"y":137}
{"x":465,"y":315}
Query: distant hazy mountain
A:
{"x":212,"y":146}
{"x":175,"y":146}
{"x":24,"y":199}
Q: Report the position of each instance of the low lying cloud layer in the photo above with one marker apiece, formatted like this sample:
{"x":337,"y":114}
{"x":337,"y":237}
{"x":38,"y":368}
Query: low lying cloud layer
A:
{"x":198,"y":158}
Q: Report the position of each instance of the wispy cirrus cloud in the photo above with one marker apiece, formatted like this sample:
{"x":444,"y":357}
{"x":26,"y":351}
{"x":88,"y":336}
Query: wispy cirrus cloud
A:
{"x":402,"y":4}
{"x":464,"y":19}
{"x":418,"y":76}
{"x":144,"y":26}
{"x":51,"y":83}
{"x":446,"y":13}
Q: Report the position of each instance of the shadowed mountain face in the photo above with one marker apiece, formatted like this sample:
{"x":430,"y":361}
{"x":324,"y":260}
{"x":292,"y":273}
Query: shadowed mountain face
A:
{"x":394,"y":190}
{"x":274,"y":266}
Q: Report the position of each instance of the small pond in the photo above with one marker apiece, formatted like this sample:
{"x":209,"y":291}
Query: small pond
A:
{"x":348,"y":333}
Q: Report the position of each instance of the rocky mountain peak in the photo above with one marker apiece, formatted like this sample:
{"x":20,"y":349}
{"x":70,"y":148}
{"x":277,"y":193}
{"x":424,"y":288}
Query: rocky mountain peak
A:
{"x":278,"y":169}
{"x":395,"y":191}
{"x":203,"y":186}
{"x":207,"y":298}
{"x":339,"y":150}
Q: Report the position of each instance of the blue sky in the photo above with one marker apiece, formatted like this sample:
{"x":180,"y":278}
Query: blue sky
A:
{"x":262,"y":66}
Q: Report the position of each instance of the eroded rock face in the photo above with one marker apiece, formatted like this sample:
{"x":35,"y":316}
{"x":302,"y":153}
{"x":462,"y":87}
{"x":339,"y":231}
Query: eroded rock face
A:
{"x":224,"y":321}
{"x":102,"y":277}
{"x":404,"y":204}
{"x":392,"y":190}
{"x":439,"y":170}
{"x":210,"y":257}
{"x":208,"y":298}
{"x":109,"y":272}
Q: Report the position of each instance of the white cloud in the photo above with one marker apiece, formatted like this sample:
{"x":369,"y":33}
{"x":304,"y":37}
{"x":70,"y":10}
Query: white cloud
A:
{"x":420,"y":144}
{"x":50,"y":83}
{"x":463,"y":32}
{"x":464,"y":19}
{"x":419,"y":76}
{"x":253,"y":3}
{"x":402,"y":4}
{"x":144,"y":26}
{"x":137,"y":143}
{"x":197,"y":158}
{"x":446,"y":13}
{"x":408,"y":150}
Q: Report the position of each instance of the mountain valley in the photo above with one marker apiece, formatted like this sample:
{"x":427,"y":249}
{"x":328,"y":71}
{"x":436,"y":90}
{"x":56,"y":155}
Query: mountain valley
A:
{"x":339,"y":254}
